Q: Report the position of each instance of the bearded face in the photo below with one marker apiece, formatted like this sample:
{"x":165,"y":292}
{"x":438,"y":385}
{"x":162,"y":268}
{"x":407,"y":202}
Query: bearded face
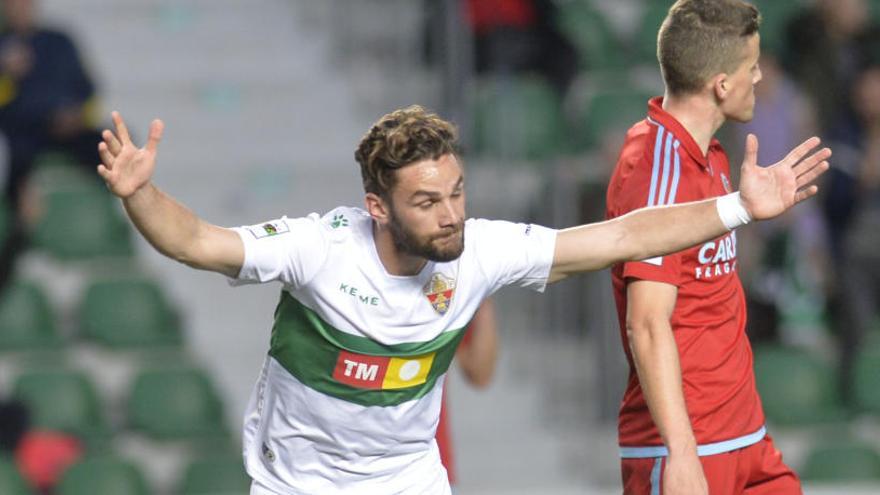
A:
{"x":443,"y":246}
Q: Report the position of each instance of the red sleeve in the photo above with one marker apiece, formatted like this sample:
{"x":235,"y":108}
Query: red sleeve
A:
{"x":668,"y":271}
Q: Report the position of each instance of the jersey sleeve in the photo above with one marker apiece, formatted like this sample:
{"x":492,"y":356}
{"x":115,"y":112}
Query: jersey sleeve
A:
{"x":649,"y":184}
{"x":513,"y":253}
{"x":287,"y":250}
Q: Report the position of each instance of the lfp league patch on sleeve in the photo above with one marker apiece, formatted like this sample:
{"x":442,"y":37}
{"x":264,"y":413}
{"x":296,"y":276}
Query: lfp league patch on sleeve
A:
{"x":269,"y":229}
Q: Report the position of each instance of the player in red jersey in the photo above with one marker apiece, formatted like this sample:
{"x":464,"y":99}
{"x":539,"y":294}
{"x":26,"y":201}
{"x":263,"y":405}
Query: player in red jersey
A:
{"x":691,"y":420}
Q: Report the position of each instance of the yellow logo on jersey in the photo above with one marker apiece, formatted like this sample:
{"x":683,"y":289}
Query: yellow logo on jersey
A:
{"x":408,"y":371}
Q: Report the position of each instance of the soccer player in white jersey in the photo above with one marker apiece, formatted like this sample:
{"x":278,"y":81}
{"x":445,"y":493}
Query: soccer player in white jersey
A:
{"x":374,"y":300}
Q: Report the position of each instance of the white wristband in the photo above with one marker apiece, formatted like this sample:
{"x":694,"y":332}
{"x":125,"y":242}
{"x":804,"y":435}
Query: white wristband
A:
{"x":731,"y":210}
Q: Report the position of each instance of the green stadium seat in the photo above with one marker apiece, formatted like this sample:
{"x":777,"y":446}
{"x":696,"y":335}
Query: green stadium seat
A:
{"x":128,"y":313}
{"x":867,"y":378}
{"x":796,"y":388}
{"x":588,"y":29}
{"x":82,"y":222}
{"x":63,"y":400}
{"x":775,"y":18}
{"x":842,"y":461}
{"x":103,"y":475}
{"x":27,"y":321}
{"x":612,"y":110}
{"x":518,"y":118}
{"x":57,"y":170}
{"x":176,"y":403}
{"x":216,"y":476}
{"x":645,"y":42}
{"x":11,"y":482}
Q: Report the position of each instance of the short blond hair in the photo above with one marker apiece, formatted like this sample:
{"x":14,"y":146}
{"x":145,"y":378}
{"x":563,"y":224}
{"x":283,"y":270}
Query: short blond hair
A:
{"x":702,"y":38}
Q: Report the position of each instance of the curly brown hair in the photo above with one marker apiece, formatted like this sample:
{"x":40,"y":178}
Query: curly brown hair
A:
{"x":702,"y":38}
{"x":401,"y":138}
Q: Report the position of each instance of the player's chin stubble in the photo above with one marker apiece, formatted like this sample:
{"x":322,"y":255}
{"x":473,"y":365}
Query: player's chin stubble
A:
{"x":429,"y":248}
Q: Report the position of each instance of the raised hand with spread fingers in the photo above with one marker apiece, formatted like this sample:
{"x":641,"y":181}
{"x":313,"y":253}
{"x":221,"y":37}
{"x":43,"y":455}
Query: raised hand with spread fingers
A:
{"x":125,"y":167}
{"x":170,"y":227}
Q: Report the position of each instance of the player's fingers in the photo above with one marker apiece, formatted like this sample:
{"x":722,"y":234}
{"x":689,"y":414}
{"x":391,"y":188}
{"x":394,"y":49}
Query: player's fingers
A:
{"x":811,"y":161}
{"x":113,"y":144}
{"x":121,"y":128}
{"x":800,"y":151}
{"x":107,"y":158}
{"x":810,"y":175}
{"x":156,"y":128}
{"x":104,"y":172}
{"x":806,"y":193}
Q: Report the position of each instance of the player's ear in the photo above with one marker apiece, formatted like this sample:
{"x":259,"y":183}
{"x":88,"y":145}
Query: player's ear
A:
{"x":378,"y":208}
{"x":721,"y":86}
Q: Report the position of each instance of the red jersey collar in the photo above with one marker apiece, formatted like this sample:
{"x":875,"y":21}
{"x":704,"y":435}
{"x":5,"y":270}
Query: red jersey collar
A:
{"x":662,"y":117}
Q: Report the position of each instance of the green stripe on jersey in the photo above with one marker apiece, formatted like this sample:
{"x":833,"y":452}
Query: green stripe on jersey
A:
{"x":352,"y":368}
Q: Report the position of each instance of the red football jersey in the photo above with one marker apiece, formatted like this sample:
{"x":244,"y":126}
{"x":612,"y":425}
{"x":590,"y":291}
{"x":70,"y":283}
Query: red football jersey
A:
{"x":661,"y":164}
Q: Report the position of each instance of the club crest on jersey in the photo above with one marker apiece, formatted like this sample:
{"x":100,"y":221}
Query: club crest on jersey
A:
{"x":726,"y":183}
{"x":439,"y":291}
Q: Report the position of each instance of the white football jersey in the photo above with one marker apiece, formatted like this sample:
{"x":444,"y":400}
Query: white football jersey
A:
{"x":349,"y":397}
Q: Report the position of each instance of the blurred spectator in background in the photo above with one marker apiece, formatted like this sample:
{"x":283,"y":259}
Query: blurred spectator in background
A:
{"x":476,"y":356}
{"x":832,"y":51}
{"x":823,"y":45}
{"x":516,"y":36}
{"x":852,"y":206}
{"x":41,"y":456}
{"x":46,"y":104}
{"x":787,"y":266}
{"x":45,"y":95}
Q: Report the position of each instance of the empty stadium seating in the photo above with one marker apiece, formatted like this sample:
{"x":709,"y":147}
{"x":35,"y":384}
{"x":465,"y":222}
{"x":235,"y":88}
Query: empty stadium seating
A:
{"x":518,"y":118}
{"x":796,"y":388}
{"x":64,"y":400}
{"x":176,"y":403}
{"x":103,"y":475}
{"x":612,"y":110}
{"x":27,"y":319}
{"x":127,"y":313}
{"x":842,"y":460}
{"x":216,"y":475}
{"x":11,"y":482}
{"x":82,"y":222}
{"x":596,"y":41}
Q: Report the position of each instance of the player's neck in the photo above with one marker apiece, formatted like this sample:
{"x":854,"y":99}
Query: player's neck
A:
{"x":395,"y":262}
{"x":698,"y":114}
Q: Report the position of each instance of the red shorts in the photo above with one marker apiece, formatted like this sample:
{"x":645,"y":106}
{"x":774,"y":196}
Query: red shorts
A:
{"x":754,"y":470}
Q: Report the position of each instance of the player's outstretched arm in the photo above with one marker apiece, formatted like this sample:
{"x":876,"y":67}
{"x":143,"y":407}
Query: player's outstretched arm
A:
{"x":169,"y":226}
{"x":765,"y":192}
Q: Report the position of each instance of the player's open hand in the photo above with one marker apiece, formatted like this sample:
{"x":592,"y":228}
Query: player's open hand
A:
{"x":125,"y":167}
{"x":768,"y":191}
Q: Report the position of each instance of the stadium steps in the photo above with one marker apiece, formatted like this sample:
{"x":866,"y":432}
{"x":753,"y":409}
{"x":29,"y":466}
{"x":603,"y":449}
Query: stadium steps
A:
{"x":258,"y":116}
